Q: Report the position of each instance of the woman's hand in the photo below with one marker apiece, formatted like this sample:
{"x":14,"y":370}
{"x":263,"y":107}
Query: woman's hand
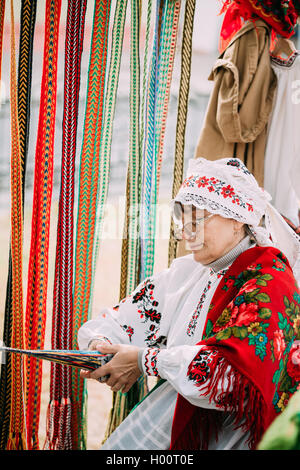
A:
{"x":122,"y":369}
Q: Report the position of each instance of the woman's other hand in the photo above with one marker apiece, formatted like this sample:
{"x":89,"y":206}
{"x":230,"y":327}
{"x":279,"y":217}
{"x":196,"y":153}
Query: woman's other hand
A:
{"x":123,"y":369}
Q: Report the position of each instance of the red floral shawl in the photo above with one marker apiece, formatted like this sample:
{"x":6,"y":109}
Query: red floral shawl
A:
{"x":252,"y":324}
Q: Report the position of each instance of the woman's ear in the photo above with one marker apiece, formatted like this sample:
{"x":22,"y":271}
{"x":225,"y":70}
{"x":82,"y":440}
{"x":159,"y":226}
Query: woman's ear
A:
{"x":238,"y":226}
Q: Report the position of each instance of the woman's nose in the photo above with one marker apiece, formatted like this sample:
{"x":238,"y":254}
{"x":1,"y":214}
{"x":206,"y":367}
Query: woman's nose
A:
{"x":187,"y":235}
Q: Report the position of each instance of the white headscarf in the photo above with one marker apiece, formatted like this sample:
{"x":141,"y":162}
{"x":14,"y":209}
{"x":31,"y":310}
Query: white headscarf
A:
{"x":227,"y":188}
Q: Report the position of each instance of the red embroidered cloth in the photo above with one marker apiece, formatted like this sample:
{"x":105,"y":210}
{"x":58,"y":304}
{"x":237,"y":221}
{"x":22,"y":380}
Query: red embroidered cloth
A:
{"x":253,"y":326}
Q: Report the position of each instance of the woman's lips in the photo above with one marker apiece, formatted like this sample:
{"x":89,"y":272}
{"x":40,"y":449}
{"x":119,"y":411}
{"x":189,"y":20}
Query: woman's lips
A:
{"x":195,"y":247}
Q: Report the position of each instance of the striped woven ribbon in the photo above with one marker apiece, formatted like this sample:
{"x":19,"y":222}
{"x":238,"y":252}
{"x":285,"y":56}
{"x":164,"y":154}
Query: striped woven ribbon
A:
{"x":130,"y":237}
{"x":157,"y":103}
{"x":38,"y":262}
{"x":10,"y":387}
{"x":59,"y":417}
{"x":184,"y":87}
{"x":87,"y":202}
{"x":88,"y":360}
{"x":156,"y":115}
{"x":122,"y":404}
{"x":107,"y":129}
{"x":16,"y":438}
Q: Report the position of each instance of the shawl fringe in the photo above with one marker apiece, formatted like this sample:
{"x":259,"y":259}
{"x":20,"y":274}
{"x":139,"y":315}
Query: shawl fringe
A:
{"x":238,"y":396}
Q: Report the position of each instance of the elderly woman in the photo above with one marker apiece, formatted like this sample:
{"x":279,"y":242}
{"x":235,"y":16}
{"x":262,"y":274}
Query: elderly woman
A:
{"x":217,"y":326}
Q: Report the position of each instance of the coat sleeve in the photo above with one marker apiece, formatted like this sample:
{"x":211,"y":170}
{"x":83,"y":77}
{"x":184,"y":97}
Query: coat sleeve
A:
{"x":245,"y":83}
{"x":134,"y":320}
{"x":187,"y":369}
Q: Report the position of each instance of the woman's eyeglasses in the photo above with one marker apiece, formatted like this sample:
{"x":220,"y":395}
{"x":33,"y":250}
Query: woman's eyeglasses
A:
{"x":191,"y":229}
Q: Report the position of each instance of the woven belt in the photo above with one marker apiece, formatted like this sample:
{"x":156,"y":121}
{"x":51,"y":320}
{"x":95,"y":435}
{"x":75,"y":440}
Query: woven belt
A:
{"x":87,"y":203}
{"x":12,"y":425}
{"x":59,"y":416}
{"x":38,"y":262}
{"x":186,"y":59}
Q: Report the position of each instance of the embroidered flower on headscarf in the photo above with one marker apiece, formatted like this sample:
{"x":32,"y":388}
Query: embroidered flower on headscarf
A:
{"x":188,"y":181}
{"x":293,"y":364}
{"x":202,"y":181}
{"x":228,"y":191}
{"x":278,"y":344}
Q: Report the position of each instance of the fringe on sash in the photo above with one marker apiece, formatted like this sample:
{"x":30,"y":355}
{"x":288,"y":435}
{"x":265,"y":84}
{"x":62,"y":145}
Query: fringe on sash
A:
{"x":59,"y":414}
{"x":238,"y":396}
{"x":16,"y":441}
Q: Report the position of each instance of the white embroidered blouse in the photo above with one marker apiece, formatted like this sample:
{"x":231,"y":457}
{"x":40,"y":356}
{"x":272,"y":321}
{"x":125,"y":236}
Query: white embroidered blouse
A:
{"x":165,"y":317}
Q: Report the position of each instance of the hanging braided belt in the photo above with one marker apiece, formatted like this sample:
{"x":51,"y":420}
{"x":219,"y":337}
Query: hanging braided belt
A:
{"x":59,"y":417}
{"x":167,"y":18}
{"x":16,"y":438}
{"x":38,"y":261}
{"x":186,"y":58}
{"x":11,"y":400}
{"x":87,"y":203}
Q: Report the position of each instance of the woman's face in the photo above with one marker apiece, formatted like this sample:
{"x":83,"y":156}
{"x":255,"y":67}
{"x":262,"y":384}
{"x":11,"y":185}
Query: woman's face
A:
{"x":215,"y":236}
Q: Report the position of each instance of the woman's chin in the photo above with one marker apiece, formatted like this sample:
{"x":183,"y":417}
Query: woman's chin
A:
{"x":198,"y":252}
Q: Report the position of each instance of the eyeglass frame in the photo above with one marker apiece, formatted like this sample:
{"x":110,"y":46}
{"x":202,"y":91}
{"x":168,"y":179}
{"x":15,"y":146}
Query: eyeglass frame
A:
{"x":183,"y":226}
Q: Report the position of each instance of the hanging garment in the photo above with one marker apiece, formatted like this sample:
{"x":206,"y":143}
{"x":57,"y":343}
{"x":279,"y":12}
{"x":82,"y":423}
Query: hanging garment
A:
{"x":282,"y":159}
{"x":280,"y":15}
{"x":241,"y":102}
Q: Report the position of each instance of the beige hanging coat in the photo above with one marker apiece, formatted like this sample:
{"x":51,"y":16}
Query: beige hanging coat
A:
{"x":241,"y":101}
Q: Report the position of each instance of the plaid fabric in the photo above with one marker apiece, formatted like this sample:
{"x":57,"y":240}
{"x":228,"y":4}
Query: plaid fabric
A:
{"x":148,"y":426}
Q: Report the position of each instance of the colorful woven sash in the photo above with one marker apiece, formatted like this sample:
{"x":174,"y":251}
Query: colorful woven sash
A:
{"x":156,"y":113}
{"x":167,"y":15}
{"x":59,"y":422}
{"x":186,"y":59}
{"x":130,"y":261}
{"x":10,"y":388}
{"x":38,"y":261}
{"x":107,"y":131}
{"x":87,"y":203}
{"x":88,"y":360}
{"x":122,"y":404}
{"x":16,"y":430}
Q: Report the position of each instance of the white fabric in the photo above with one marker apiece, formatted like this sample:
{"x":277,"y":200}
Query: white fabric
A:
{"x":282,"y":158}
{"x":178,"y":292}
{"x":207,"y":184}
{"x":149,"y":426}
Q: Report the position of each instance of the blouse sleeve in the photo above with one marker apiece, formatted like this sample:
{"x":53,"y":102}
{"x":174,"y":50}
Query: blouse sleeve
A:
{"x":135,"y":320}
{"x":187,"y":369}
